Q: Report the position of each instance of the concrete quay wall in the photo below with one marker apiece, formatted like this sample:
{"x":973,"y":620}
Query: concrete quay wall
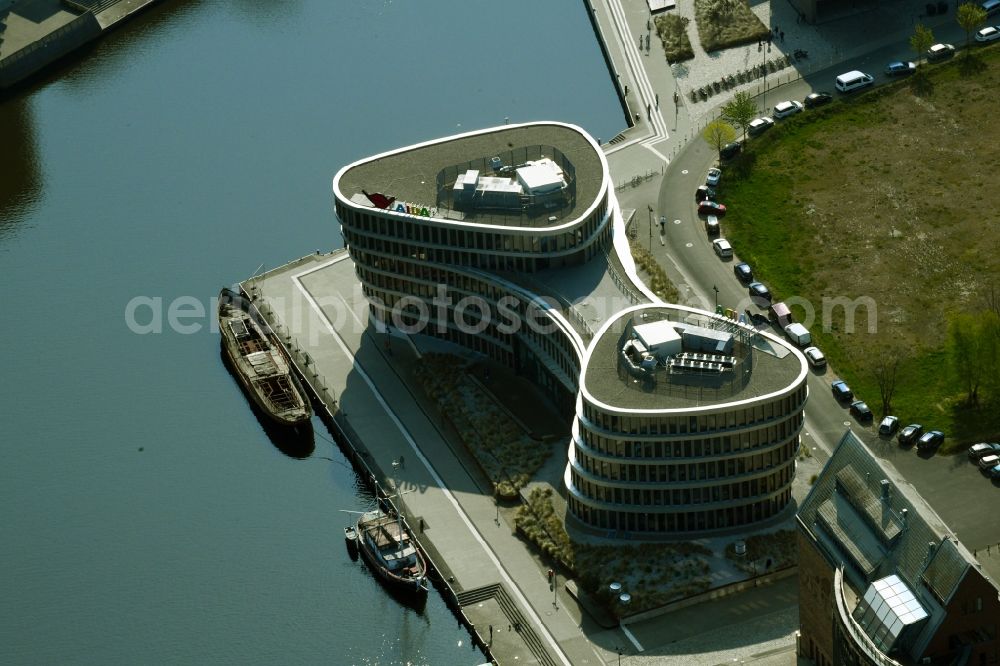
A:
{"x":23,"y":63}
{"x":47,"y":48}
{"x":481,"y":568}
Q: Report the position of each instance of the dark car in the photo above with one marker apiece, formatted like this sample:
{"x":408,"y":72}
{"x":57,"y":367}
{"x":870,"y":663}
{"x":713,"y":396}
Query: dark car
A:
{"x":703,"y":193}
{"x":860,"y":411}
{"x":930,"y":440}
{"x":841,"y":391}
{"x":743,"y":272}
{"x":759,"y":294}
{"x":755,"y":318}
{"x":909,"y":434}
{"x":730,"y":150}
{"x":817,"y":99}
{"x":887,"y":428}
{"x":711,"y":208}
{"x":994,"y":472}
{"x":899,"y":68}
{"x":712,"y":227}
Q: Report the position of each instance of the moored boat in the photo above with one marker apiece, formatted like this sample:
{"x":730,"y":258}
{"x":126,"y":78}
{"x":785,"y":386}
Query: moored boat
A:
{"x":389,"y":549}
{"x":259,"y":362}
{"x":351,"y":539}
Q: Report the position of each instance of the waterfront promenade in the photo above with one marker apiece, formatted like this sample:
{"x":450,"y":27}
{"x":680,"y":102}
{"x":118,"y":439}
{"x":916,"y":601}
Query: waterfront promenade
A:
{"x":490,"y":574}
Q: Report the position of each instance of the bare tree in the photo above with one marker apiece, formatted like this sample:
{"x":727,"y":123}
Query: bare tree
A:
{"x":740,"y":111}
{"x":886,"y":370}
{"x":970,"y":16}
{"x":717,"y":134}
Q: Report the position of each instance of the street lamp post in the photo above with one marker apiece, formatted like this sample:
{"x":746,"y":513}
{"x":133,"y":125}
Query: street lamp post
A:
{"x":765,"y":73}
{"x":716,"y":297}
{"x":650,"y":227}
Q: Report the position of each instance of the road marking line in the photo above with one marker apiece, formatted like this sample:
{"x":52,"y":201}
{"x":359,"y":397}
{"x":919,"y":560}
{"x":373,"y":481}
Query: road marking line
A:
{"x":631,"y":637}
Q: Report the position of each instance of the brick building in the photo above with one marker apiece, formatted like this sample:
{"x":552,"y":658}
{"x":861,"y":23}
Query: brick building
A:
{"x":882,"y":580}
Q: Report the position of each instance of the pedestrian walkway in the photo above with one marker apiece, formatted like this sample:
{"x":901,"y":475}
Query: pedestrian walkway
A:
{"x":480,"y":558}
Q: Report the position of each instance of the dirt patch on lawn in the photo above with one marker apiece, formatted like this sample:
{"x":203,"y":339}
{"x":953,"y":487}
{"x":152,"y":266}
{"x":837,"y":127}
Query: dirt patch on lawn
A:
{"x":897,"y":200}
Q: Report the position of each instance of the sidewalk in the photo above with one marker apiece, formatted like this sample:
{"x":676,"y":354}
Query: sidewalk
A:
{"x":474,"y":551}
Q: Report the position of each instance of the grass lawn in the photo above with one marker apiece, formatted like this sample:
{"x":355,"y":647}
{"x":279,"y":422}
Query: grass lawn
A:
{"x":887,"y":198}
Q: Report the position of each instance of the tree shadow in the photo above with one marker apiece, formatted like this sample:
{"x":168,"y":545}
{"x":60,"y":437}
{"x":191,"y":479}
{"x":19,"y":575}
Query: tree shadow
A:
{"x":744,"y":164}
{"x":921,"y":85}
{"x":971,"y":64}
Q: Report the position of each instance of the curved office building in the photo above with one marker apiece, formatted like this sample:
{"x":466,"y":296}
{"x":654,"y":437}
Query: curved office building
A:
{"x":463,"y":238}
{"x":446,"y":234}
{"x":687,"y":422}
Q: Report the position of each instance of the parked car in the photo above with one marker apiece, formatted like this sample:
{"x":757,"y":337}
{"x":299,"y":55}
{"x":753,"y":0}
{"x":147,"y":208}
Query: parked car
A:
{"x":730,"y":150}
{"x":713,"y":177}
{"x":940,"y":52}
{"x":798,"y":334}
{"x":704,"y":193}
{"x":755,"y":318}
{"x":930,"y":440}
{"x":712,"y":227}
{"x":910,"y":434}
{"x":760,"y":125}
{"x":988,"y":34}
{"x":787,"y":108}
{"x":815,"y":357}
{"x":841,"y":391}
{"x":994,"y":472}
{"x":722,"y":248}
{"x":711,"y":208}
{"x":760,"y":295}
{"x":817,"y":99}
{"x":986,"y":462}
{"x":898,"y":68}
{"x":860,"y":411}
{"x":779,"y":314}
{"x":743,"y":272}
{"x":888,"y":426}
{"x":977,"y":451}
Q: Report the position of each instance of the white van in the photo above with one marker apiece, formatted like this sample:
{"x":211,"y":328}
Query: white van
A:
{"x":858,"y":79}
{"x":991,"y":7}
{"x":798,"y":334}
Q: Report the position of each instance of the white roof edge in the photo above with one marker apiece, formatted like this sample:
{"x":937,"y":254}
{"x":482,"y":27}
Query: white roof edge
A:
{"x":477,"y":225}
{"x":706,"y":409}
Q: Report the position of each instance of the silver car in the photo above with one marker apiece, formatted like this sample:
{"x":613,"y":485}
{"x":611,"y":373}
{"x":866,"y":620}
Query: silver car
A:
{"x":785,"y":109}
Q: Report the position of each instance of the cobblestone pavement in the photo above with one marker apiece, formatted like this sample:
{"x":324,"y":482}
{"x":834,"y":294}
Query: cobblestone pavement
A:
{"x":826,"y":44}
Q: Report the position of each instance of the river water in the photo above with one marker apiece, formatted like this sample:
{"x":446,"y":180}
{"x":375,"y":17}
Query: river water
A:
{"x":146,"y":515}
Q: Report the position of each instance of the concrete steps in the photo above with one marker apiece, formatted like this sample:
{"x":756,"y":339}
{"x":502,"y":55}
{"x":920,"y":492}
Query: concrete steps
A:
{"x":498,"y":593}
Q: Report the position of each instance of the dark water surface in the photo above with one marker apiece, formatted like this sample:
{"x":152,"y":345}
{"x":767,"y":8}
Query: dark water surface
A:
{"x":146,"y":515}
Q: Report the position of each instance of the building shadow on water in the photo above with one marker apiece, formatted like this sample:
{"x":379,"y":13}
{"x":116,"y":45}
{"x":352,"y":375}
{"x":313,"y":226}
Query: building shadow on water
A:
{"x":298,"y":442}
{"x":20,"y":176}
